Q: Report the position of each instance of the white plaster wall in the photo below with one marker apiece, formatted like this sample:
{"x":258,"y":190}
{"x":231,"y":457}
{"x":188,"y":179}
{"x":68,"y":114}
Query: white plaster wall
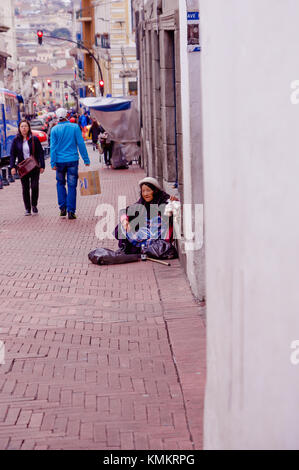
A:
{"x":192,"y":156}
{"x":251,"y":169}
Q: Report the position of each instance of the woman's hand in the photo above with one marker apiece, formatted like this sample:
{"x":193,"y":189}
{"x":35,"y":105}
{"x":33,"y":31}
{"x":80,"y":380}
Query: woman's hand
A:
{"x":126,"y":225}
{"x":173,"y":198}
{"x":124,"y":220}
{"x":42,"y":170}
{"x":13,"y":171}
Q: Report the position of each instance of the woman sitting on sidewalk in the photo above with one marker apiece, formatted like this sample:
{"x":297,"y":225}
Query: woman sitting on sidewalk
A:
{"x":144,"y":227}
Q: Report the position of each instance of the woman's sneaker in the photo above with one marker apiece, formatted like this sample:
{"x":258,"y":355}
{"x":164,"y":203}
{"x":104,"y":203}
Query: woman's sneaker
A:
{"x":35,"y":210}
{"x":62,"y":212}
{"x":72,"y":216}
{"x":27,"y":212}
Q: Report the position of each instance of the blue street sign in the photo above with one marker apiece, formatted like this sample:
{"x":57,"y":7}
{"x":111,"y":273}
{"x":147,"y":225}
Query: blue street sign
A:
{"x":193,"y":15}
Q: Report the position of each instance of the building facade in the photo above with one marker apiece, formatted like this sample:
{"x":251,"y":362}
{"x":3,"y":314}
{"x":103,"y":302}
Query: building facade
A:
{"x":86,"y":64}
{"x":116,"y":47}
{"x":105,"y":28}
{"x":8,"y":51}
{"x":170,"y":120}
{"x":53,"y":85}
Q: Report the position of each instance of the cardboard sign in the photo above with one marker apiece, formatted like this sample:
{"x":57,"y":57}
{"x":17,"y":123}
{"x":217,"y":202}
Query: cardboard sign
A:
{"x":89,"y":183}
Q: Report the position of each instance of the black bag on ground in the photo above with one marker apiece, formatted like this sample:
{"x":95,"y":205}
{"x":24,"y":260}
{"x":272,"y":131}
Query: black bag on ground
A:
{"x":104,"y":257}
{"x":161,"y":249}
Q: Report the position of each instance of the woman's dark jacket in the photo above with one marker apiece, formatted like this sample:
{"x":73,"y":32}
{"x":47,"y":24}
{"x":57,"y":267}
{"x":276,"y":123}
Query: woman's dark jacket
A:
{"x":16,"y":151}
{"x":94,"y":131}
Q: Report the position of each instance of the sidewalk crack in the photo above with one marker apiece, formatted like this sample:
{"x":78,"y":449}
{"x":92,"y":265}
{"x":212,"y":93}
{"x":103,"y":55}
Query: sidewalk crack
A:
{"x":174,"y":361}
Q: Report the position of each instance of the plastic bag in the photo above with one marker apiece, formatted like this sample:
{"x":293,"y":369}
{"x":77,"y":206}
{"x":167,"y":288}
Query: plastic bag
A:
{"x":161,"y":249}
{"x":104,"y":257}
{"x":100,"y":149}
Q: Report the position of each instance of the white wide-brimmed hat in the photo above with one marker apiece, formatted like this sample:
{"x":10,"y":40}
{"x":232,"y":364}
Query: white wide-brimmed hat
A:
{"x":152,"y":181}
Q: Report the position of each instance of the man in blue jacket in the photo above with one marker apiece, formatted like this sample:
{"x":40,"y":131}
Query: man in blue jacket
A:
{"x":66,"y":139}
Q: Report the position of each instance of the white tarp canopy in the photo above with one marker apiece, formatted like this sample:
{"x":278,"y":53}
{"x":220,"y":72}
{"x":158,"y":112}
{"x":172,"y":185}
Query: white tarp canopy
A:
{"x":118,"y":116}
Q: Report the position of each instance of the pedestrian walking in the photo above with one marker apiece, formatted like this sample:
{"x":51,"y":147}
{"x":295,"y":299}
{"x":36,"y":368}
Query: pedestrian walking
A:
{"x":66,"y":139}
{"x":23,"y":146}
{"x":88,"y":118}
{"x":82,"y":121}
{"x":94,"y":132}
{"x":107,"y":145}
{"x":52,"y":124}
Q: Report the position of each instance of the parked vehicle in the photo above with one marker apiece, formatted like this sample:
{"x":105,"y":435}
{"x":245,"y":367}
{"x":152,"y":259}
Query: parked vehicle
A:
{"x":41,"y":135}
{"x":44,"y":140}
{"x":39,"y":125}
{"x":9,"y":120}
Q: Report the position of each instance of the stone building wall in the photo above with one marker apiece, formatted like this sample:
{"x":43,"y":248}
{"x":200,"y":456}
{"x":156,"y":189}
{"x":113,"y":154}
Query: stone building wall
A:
{"x":165,"y":152}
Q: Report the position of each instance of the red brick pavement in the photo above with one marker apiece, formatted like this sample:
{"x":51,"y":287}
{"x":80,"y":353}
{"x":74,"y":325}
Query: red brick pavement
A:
{"x":96,"y":357}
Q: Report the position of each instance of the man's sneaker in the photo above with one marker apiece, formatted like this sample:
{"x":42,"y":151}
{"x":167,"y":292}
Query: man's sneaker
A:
{"x":63,"y":213}
{"x":27,"y":212}
{"x":34,"y":210}
{"x":72,"y":216}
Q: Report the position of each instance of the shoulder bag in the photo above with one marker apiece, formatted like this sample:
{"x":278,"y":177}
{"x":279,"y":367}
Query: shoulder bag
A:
{"x":28,"y":164}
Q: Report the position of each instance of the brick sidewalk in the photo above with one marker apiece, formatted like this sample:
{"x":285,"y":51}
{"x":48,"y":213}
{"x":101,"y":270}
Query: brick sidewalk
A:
{"x":96,"y":357}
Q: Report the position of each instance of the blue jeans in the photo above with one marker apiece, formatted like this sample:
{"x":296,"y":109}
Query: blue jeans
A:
{"x":67,"y":172}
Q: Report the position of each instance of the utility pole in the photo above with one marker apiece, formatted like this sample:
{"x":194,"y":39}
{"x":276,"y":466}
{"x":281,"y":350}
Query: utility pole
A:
{"x":73,"y":13}
{"x":123,"y":64}
{"x":74,"y":93}
{"x":62,"y":94}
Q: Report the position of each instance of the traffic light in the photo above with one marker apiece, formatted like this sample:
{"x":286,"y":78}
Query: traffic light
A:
{"x":34,"y":104}
{"x":66,"y":96}
{"x":40,"y":34}
{"x":101,"y":84}
{"x":50,"y":92}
